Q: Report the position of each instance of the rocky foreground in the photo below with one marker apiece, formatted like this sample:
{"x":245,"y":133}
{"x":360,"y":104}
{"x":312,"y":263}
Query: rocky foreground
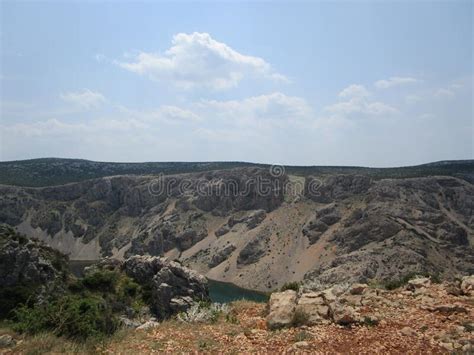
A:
{"x":421,"y":317}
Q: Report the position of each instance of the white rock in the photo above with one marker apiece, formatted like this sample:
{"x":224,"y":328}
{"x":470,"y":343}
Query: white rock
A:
{"x":467,"y":285}
{"x":148,"y":325}
{"x":417,"y":283}
{"x":282,"y":309}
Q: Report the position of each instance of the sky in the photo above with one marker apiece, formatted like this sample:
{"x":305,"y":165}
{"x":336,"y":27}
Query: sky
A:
{"x":367,"y":83}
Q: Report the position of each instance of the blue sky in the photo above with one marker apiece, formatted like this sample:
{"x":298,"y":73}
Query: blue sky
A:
{"x":307,"y":83}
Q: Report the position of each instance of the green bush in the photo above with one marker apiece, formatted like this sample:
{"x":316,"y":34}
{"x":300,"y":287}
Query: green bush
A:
{"x":299,"y":318}
{"x":12,"y":297}
{"x":295,"y":286}
{"x":72,"y":316}
{"x":129,"y":288}
{"x":394,"y":284}
{"x":101,"y":280}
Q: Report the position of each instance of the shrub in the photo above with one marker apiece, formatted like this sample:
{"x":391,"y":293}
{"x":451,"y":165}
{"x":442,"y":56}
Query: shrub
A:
{"x":370,"y":322}
{"x":299,"y":318}
{"x":394,"y":284}
{"x":301,"y":336}
{"x":231,"y":318}
{"x":101,"y":280}
{"x":295,"y":286}
{"x":12,"y":297}
{"x":198,"y":313}
{"x":72,"y":316}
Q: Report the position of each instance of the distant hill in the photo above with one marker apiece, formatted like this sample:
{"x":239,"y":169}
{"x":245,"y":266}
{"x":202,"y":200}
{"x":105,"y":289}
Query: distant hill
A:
{"x":56,"y":171}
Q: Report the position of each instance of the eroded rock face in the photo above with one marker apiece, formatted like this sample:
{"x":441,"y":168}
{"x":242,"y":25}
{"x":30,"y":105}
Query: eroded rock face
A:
{"x":219,"y":256}
{"x":254,"y":250}
{"x":336,"y":187}
{"x":394,"y":228}
{"x":27,"y":262}
{"x":174,"y":288}
{"x":96,"y":210}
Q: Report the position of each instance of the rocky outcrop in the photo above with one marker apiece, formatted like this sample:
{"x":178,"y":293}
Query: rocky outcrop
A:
{"x":251,"y":220}
{"x":254,"y":249}
{"x":238,"y":189}
{"x":29,"y":271}
{"x":320,"y":223}
{"x":189,"y":237}
{"x":219,"y":256}
{"x":26,"y":262}
{"x":336,"y":187}
{"x":395,"y":228}
{"x":174,"y":288}
{"x":356,"y":304}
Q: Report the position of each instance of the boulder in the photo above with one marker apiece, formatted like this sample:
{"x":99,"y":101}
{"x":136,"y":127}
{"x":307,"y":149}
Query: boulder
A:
{"x":357,"y":289}
{"x":148,"y":325}
{"x":417,"y":283}
{"x":467,"y":285}
{"x":314,"y":306}
{"x":174,"y":288}
{"x":282,"y":307}
{"x":344,"y":314}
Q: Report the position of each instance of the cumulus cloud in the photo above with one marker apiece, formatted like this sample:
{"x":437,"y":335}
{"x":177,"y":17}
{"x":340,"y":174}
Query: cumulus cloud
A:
{"x":86,"y":98}
{"x":274,"y":107}
{"x":354,"y":91}
{"x":198,"y":60}
{"x":358,"y":101}
{"x":394,"y":81}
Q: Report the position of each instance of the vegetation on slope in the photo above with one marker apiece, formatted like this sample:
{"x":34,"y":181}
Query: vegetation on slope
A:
{"x":55,"y":171}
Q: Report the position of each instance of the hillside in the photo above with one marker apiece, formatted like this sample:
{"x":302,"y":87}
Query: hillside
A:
{"x":353,"y":228}
{"x":55,"y":171}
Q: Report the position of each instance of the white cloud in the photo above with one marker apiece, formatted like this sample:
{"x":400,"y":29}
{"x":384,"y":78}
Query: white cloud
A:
{"x":86,"y":98}
{"x":197,"y":60}
{"x":358,"y":102}
{"x":394,"y":81}
{"x":275,"y":107}
{"x":164,"y":114}
{"x":444,"y":94}
{"x":354,"y":91}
